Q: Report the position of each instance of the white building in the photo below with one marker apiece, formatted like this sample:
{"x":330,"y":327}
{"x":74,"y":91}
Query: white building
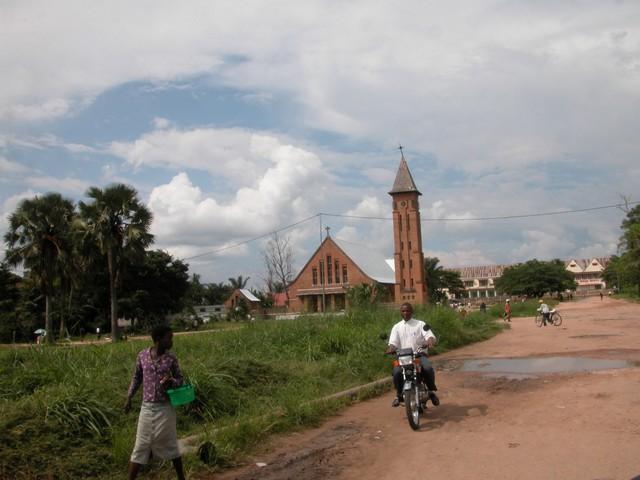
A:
{"x":479,"y":280}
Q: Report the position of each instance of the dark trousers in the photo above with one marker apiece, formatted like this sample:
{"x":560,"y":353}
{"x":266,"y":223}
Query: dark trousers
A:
{"x":546,"y":318}
{"x":428,"y":376}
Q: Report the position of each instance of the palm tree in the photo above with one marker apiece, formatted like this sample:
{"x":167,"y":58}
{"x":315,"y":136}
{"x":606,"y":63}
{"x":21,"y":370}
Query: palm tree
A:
{"x":119,"y":225}
{"x":39,"y":238}
{"x":238,"y":282}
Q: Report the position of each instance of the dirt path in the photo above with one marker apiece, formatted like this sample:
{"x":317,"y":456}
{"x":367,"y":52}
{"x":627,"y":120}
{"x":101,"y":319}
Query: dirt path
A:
{"x":564,"y":426}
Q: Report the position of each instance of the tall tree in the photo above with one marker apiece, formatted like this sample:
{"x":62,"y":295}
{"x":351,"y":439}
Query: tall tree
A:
{"x":9,"y":298}
{"x":154,"y":288}
{"x":119,"y":224}
{"x":278,"y":259}
{"x":238,"y":282}
{"x":217,"y":293}
{"x":438,"y":280}
{"x":39,"y":238}
{"x":624,"y":270}
{"x":536,"y":278}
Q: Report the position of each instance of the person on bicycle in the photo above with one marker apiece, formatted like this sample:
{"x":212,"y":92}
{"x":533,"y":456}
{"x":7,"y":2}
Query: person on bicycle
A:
{"x":545,"y":311}
{"x":414,"y":334}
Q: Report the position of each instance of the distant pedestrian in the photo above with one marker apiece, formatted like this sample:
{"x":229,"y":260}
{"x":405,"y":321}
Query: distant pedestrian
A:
{"x":98,"y":333}
{"x":601,"y":296}
{"x":156,"y":370}
{"x":483,"y":307}
{"x":507,"y":310}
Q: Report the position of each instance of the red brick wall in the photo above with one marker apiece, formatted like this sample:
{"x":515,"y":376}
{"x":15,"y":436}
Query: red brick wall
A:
{"x":408,"y":256}
{"x":333,"y":290}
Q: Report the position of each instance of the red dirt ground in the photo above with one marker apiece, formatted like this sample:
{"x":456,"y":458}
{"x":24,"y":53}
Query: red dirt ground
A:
{"x":561,"y":426}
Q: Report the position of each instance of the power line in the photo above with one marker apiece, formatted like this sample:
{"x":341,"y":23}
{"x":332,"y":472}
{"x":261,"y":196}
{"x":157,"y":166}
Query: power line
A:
{"x":228,"y":247}
{"x":474,"y":219}
{"x":363,"y":217}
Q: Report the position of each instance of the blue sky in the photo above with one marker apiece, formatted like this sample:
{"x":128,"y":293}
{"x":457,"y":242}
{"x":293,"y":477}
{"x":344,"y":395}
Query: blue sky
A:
{"x":234,"y":120}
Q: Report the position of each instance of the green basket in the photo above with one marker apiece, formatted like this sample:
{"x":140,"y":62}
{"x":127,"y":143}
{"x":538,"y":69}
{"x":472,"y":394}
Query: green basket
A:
{"x":181,"y":395}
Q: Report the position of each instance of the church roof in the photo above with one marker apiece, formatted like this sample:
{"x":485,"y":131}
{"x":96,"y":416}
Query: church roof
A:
{"x":372,"y":263}
{"x":248,"y":295}
{"x":404,"y":181}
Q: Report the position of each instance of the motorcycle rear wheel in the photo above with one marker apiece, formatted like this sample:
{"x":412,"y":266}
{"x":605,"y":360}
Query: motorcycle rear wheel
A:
{"x":411,"y":404}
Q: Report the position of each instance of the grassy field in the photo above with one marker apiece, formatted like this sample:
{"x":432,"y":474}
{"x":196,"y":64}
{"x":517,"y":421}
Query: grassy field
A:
{"x":527,"y":308}
{"x":632,"y":296}
{"x":61,"y":407}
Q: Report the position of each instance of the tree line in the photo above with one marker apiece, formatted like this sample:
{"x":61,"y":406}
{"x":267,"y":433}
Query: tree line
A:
{"x":87,"y":264}
{"x":623,"y":271}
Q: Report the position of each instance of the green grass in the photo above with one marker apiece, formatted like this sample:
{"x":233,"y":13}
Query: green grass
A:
{"x":61,"y":407}
{"x":630,"y":296}
{"x":528,"y":308}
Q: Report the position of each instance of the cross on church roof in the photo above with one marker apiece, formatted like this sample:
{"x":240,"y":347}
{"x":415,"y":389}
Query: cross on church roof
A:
{"x":327,"y":229}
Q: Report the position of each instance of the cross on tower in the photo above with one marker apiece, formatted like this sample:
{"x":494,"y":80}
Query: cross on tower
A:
{"x":327,"y":229}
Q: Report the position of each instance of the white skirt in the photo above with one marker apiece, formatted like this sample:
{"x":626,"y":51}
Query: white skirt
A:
{"x":156,"y":433}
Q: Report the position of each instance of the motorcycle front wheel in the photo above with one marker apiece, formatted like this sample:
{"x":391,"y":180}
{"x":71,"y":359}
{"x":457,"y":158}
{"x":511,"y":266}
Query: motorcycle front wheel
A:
{"x":411,"y":403}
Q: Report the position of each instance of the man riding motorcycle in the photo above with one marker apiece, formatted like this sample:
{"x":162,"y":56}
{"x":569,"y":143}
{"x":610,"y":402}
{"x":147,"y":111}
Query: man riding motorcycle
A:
{"x":411,"y":333}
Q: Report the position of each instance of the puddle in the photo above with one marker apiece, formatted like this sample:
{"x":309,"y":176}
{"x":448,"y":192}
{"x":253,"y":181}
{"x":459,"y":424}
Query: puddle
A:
{"x":520,"y":368}
{"x":607,"y":335}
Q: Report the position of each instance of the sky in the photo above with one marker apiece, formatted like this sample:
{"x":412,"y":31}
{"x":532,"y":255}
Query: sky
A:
{"x":233,"y":120}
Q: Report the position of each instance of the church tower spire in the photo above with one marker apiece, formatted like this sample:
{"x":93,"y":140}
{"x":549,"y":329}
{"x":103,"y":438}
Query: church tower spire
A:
{"x":407,"y":237}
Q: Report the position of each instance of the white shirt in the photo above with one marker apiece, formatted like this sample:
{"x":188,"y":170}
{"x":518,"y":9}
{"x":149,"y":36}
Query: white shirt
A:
{"x":544,"y":308}
{"x":409,"y":334}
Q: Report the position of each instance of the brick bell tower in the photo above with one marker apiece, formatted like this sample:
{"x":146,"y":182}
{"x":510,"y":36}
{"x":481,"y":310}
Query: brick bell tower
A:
{"x":407,"y":237}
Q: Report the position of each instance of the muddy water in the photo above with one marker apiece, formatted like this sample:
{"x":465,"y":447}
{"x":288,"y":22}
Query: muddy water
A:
{"x":533,"y":367}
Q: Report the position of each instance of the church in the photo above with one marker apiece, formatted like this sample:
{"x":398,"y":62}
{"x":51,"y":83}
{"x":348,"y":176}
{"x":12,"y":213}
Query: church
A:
{"x":322,"y":284}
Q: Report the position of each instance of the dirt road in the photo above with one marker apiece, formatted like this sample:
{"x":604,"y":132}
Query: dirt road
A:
{"x":583,"y":425}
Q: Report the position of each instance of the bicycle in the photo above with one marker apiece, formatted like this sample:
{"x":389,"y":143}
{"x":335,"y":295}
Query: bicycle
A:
{"x":555,"y":318}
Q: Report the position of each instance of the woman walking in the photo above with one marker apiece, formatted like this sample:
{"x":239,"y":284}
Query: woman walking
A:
{"x":157,"y":370}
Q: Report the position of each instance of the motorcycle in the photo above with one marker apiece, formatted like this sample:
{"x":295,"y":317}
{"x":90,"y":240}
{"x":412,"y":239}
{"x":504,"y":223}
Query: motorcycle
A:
{"x":415,"y":392}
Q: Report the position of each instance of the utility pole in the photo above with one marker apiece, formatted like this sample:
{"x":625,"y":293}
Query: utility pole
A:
{"x":322,"y":272}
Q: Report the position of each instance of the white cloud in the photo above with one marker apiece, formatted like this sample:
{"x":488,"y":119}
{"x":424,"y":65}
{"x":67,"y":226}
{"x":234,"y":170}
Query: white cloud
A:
{"x":44,"y":110}
{"x":229,"y":153}
{"x":74,"y":186}
{"x":284,"y":193}
{"x":7,"y":167}
{"x":160,"y":123}
{"x":438,"y":211}
{"x":43,"y":142}
{"x":542,"y":245}
{"x":460,"y":258}
{"x":495,"y":94}
{"x":382,"y":176}
{"x":376,"y":234}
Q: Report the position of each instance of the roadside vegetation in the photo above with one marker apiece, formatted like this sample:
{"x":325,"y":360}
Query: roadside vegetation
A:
{"x":528,"y":308}
{"x":623,"y":271}
{"x":61,"y":407}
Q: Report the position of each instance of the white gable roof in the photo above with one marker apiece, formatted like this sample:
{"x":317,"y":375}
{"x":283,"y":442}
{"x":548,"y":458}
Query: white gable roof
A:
{"x":249,"y":296}
{"x":372,"y":263}
{"x":594,"y":266}
{"x":574,"y":266}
